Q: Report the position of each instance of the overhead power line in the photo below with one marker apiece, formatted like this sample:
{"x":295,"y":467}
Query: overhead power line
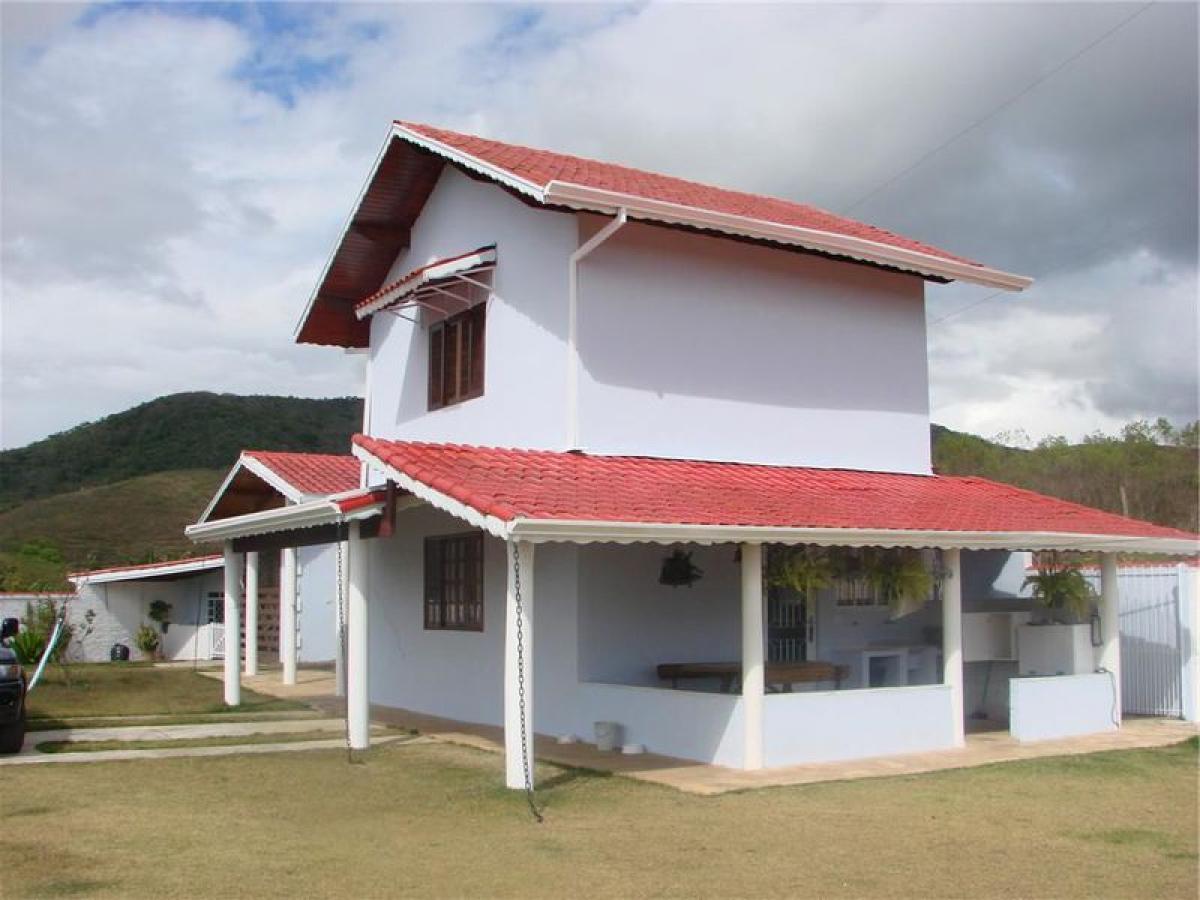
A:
{"x":999,"y":109}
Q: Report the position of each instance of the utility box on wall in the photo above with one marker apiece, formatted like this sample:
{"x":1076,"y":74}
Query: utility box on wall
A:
{"x":1055,"y":650}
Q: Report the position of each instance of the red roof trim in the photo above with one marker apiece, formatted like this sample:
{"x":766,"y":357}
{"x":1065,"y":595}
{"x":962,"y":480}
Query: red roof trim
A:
{"x":154,"y":565}
{"x":417,"y":273}
{"x":358,"y":501}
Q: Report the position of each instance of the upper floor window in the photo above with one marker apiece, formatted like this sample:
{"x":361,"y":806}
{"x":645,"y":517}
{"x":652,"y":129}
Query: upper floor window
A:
{"x":454,"y":582}
{"x":456,"y":357}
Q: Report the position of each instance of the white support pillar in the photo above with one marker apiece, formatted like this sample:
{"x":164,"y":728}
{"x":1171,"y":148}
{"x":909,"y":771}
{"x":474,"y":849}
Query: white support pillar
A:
{"x":358,"y":694}
{"x":1110,"y":625}
{"x":514,"y":761}
{"x":233,"y":610}
{"x":752,"y":656}
{"x":1188,"y":579}
{"x":251,"y":613}
{"x":287,"y":613}
{"x":342,"y":587}
{"x":952,"y":651}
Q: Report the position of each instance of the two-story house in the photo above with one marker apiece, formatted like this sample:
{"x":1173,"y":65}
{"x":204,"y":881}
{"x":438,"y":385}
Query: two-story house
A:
{"x":653,"y":454}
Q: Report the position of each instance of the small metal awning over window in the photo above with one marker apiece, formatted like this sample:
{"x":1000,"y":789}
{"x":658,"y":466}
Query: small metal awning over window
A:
{"x":436,"y":286}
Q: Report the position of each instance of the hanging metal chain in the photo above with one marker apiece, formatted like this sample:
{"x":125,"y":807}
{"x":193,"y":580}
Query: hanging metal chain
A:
{"x":341,"y":626}
{"x":519,"y":612}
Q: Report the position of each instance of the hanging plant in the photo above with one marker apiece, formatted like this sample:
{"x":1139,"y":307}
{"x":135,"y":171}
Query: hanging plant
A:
{"x":678,"y":570}
{"x":804,"y":570}
{"x":901,"y":578}
{"x":1060,"y":588}
{"x":160,"y":612}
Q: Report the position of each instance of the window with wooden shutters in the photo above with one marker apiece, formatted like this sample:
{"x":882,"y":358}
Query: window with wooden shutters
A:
{"x":456,"y":357}
{"x":454,"y":582}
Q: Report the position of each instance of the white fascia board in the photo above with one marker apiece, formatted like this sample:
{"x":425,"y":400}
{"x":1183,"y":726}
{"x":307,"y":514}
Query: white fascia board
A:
{"x":470,"y":162}
{"x":597,"y":200}
{"x":470,"y":515}
{"x":583,"y":531}
{"x":309,"y":514}
{"x":140,"y":572}
{"x":272,"y":478}
{"x":468,"y":262}
{"x":362,"y":192}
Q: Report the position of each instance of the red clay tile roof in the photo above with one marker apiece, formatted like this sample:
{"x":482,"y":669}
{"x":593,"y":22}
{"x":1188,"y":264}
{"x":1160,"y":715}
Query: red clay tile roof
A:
{"x":311,"y":473}
{"x":540,"y":167}
{"x":530,"y":484}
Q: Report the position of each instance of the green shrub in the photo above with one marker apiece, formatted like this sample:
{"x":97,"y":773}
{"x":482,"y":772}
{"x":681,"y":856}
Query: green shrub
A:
{"x":28,"y":645}
{"x":146,"y":640}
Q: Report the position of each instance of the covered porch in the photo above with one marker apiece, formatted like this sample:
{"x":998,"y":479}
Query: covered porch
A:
{"x":565,"y":532}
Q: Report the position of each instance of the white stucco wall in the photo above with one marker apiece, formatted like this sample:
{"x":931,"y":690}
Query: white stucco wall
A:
{"x":700,"y":347}
{"x":690,"y":346}
{"x":629,"y":623}
{"x":823,"y":726}
{"x":459,"y":674}
{"x":524,"y":393}
{"x":1061,"y":706}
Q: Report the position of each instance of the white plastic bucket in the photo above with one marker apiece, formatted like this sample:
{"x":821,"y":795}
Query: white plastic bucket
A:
{"x":608,"y":735}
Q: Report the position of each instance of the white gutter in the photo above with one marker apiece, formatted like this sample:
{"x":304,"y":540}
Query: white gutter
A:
{"x":585,"y":531}
{"x":310,"y":514}
{"x":134,"y":573}
{"x":598,"y":200}
{"x":573,"y":322}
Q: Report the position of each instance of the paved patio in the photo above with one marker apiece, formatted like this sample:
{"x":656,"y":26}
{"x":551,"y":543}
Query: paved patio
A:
{"x":316,"y":686}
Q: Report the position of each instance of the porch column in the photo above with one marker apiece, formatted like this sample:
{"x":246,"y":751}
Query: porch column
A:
{"x":518,"y":662}
{"x":342,"y":587}
{"x":952,"y":653}
{"x":1110,"y":626}
{"x":358,"y":699}
{"x":252,"y":613}
{"x":287,"y":613}
{"x":233,"y":604}
{"x":752,"y":657}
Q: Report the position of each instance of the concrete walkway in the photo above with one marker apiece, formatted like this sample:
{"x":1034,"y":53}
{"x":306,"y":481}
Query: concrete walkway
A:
{"x":699,"y":778}
{"x":30,"y":755}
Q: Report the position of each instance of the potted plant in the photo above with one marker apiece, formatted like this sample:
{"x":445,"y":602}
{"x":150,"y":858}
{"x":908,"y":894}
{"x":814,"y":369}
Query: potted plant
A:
{"x":146,"y":639}
{"x":1060,"y":589}
{"x":160,"y":612}
{"x":805,"y":570}
{"x":901,"y":577}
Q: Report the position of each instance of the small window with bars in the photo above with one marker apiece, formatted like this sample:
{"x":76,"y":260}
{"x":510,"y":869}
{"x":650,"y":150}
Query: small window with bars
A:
{"x":454,"y":582}
{"x":858,"y":592}
{"x":456,"y":357}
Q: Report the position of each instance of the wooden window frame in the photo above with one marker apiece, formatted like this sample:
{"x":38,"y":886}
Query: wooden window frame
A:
{"x":453,"y":600}
{"x":456,"y":354}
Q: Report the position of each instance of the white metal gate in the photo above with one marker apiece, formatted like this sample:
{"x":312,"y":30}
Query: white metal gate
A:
{"x":1152,"y":638}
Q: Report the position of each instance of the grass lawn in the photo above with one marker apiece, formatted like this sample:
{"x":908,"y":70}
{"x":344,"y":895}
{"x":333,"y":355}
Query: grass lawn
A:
{"x":432,"y":820}
{"x":135,"y":689}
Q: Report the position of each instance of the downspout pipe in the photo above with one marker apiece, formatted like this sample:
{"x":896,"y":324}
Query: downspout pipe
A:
{"x":573,"y":322}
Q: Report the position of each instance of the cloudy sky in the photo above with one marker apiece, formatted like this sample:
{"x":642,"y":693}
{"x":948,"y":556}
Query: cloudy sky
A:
{"x":173,"y":178}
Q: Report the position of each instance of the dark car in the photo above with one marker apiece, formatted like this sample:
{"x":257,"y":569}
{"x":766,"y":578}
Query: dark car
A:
{"x":12,"y":702}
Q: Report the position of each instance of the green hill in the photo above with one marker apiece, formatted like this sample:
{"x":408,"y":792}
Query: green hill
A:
{"x":179,"y":431}
{"x":137,"y":520}
{"x":1148,"y":471}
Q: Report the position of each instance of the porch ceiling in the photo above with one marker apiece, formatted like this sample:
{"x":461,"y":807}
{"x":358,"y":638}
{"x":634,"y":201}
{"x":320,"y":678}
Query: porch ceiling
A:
{"x":548,"y":496}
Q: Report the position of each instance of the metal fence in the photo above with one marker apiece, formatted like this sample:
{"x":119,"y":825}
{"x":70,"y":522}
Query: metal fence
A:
{"x":1154,"y":616}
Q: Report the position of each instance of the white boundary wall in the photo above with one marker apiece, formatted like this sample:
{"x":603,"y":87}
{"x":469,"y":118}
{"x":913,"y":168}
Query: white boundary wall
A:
{"x":1061,"y":706}
{"x":686,"y":724}
{"x":824,"y":726}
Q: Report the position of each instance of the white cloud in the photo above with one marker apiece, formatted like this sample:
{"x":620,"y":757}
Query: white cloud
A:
{"x":173,"y":183}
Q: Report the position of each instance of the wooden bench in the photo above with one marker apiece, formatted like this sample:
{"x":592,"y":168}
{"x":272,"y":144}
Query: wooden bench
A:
{"x":781,"y":674}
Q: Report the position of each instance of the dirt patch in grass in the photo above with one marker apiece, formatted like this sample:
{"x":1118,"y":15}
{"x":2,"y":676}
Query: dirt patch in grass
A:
{"x":432,"y":820}
{"x":133,"y":689}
